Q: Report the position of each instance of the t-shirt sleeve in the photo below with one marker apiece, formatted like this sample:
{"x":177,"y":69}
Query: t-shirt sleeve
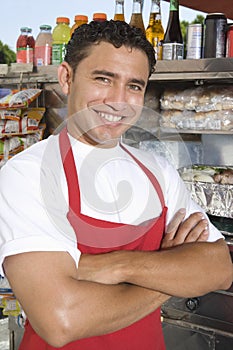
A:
{"x":31,"y":218}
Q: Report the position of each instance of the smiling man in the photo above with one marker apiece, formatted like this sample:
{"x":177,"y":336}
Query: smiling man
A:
{"x":83,"y":217}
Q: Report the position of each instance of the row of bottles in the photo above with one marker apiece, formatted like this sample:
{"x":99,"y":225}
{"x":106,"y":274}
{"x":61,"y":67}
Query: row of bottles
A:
{"x":168,"y":46}
{"x":50,"y":46}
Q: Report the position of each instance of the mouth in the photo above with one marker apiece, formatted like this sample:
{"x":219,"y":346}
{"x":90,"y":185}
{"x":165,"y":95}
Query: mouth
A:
{"x":110,"y":117}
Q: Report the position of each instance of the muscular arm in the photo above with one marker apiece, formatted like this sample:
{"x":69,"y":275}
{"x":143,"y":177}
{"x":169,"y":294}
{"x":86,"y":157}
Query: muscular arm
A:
{"x":187,"y":270}
{"x":62,"y":309}
{"x":179,"y":269}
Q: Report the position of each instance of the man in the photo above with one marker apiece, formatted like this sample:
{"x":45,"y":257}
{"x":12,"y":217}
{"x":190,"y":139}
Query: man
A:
{"x":83,"y":216}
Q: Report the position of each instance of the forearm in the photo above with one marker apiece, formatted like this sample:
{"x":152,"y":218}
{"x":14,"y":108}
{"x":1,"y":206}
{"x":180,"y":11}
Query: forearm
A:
{"x":188,"y":270}
{"x":65,"y":309}
{"x":101,"y":309}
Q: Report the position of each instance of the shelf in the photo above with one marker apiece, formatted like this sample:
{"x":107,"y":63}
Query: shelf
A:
{"x":192,"y":70}
{"x":183,"y":131}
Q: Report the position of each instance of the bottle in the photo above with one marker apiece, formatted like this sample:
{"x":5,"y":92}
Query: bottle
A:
{"x":136,"y":19}
{"x":25,"y":46}
{"x":78,"y":21}
{"x":119,"y":10}
{"x":173,"y":47}
{"x":99,"y":17}
{"x":155,"y":31}
{"x":43,"y":46}
{"x":61,"y":36}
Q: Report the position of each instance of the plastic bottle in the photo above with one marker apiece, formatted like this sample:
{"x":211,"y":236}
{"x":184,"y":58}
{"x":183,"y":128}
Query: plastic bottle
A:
{"x":99,"y":16}
{"x":78,"y":21}
{"x":119,"y":10}
{"x":25,"y":46}
{"x":43,"y":46}
{"x":173,"y":47}
{"x":61,"y":36}
{"x":155,"y":31}
{"x":136,"y":19}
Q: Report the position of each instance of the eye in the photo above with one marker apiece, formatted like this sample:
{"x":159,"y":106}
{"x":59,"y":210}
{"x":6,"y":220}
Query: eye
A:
{"x":103,"y":80}
{"x":135,"y":87}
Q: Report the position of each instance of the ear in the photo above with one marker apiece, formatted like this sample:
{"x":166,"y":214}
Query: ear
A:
{"x":65,"y":77}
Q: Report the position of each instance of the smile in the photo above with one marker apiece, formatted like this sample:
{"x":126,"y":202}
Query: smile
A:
{"x":110,"y":117}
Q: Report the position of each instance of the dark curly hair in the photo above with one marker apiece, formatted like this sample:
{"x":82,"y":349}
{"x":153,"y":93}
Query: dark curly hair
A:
{"x":117,"y":33}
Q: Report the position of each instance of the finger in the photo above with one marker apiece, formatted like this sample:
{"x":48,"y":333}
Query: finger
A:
{"x":200,"y":229}
{"x":199,"y":233}
{"x":190,"y":227}
{"x":175,"y":223}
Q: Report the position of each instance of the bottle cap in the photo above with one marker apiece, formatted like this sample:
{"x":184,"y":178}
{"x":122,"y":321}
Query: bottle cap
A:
{"x":63,"y":20}
{"x":81,"y":18}
{"x":101,"y":16}
{"x":45,"y":27}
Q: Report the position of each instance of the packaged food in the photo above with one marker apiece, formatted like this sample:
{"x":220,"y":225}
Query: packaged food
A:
{"x":19,"y":99}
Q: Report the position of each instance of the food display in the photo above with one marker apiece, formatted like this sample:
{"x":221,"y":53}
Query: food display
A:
{"x":201,"y":108}
{"x":20,"y":124}
{"x":211,"y":187}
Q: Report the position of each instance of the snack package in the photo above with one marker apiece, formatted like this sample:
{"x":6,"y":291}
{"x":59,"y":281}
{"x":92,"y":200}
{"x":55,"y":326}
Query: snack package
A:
{"x":19,"y":99}
{"x":28,"y":122}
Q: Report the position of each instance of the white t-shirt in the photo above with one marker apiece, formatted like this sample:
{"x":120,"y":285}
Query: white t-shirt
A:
{"x":34,"y":195}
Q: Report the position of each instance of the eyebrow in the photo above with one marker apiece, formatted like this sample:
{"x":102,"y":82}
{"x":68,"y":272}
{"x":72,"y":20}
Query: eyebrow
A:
{"x":112,"y":75}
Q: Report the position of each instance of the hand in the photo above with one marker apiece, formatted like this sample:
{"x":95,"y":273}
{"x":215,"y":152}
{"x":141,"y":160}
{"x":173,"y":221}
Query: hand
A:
{"x":101,"y":268}
{"x":179,"y":231}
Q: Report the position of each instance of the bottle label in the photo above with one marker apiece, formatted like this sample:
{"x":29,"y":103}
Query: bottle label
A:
{"x":173,"y":51}
{"x":24,"y":55}
{"x":42,"y":55}
{"x":174,"y":4}
{"x":58,"y":53}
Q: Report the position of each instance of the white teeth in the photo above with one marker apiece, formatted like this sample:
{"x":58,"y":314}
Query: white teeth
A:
{"x":110,"y":117}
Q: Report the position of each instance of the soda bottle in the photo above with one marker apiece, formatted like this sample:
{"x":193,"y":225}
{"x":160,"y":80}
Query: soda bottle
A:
{"x":25,"y":46}
{"x":173,"y":47}
{"x":78,"y":21}
{"x":61,"y":36}
{"x":99,"y":17}
{"x":43,"y":46}
{"x":136,"y":17}
{"x":119,"y":10}
{"x":154,"y":31}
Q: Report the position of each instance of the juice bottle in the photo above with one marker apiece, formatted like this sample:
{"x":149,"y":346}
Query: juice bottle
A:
{"x":25,"y":46}
{"x":61,"y":36}
{"x":78,"y":21}
{"x":43,"y":46}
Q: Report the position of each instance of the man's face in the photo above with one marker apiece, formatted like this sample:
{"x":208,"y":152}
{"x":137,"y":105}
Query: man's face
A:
{"x":106,"y":94}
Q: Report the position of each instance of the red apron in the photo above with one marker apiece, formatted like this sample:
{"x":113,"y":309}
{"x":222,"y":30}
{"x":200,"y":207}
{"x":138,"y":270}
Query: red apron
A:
{"x":145,"y":334}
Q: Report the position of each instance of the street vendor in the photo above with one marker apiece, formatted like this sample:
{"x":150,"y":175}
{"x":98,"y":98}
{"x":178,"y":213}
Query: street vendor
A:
{"x":83,"y":216}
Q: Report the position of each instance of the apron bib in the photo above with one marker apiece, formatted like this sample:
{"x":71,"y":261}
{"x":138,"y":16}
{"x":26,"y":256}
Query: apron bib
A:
{"x":96,"y":236}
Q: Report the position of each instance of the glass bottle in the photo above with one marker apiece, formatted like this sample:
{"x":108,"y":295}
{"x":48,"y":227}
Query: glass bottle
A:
{"x":155,"y":31}
{"x":119,"y":10}
{"x":78,"y":21}
{"x":173,"y":47}
{"x":99,"y":17}
{"x":136,"y":17}
{"x":43,"y":46}
{"x":25,"y":46}
{"x":61,"y":36}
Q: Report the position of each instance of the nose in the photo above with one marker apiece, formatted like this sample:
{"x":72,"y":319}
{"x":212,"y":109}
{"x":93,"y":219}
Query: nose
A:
{"x":116,"y":97}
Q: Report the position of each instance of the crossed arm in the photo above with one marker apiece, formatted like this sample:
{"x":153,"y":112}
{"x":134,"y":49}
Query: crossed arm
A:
{"x":64,"y":304}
